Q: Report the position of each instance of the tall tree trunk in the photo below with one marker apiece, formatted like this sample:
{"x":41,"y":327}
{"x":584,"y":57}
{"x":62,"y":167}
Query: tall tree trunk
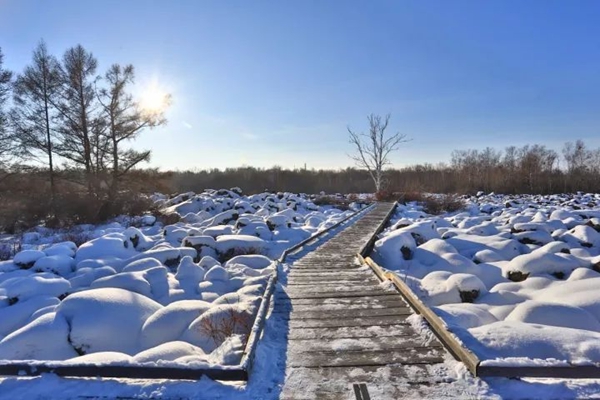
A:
{"x":49,"y":142}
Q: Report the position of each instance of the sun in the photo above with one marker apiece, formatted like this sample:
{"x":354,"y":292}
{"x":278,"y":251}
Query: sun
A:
{"x":154,"y":100}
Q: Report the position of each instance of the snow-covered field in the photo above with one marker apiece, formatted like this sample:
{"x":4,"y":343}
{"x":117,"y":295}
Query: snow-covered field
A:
{"x":515,"y":278}
{"x":139,"y":292}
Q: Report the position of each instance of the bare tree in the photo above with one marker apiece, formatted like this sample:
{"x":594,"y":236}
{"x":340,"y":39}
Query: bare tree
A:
{"x":374,"y":148}
{"x":5,"y":137}
{"x":31,"y":116}
{"x":79,"y":129}
{"x":124,"y":120}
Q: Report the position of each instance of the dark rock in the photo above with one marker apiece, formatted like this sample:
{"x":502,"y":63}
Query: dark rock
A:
{"x":517,"y":276}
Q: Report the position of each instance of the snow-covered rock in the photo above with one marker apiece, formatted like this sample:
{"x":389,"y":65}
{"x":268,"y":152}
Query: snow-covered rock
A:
{"x":107,"y":319}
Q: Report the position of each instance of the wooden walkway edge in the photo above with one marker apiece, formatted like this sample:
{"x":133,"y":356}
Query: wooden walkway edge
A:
{"x":342,"y":322}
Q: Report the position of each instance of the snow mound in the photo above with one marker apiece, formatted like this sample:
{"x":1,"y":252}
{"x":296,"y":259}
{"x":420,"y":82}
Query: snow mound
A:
{"x":394,"y":248}
{"x":46,"y":338}
{"x":17,"y":315}
{"x":26,"y":258}
{"x":169,"y":323}
{"x":112,"y":245}
{"x":62,"y":265}
{"x":506,"y":339}
{"x":106,"y":319}
{"x":553,"y":314}
{"x":170,"y":351}
{"x":101,"y":358}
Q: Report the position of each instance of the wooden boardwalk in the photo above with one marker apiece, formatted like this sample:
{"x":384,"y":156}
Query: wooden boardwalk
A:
{"x":345,"y":328}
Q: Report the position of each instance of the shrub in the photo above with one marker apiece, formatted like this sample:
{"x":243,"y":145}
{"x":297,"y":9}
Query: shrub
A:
{"x":78,"y":237}
{"x":384,"y":195}
{"x":220,"y":327}
{"x":8,"y":250}
{"x":409,"y":197}
{"x":433,"y":204}
{"x":333,"y":201}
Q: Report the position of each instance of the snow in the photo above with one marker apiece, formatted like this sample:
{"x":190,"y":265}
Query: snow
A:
{"x":17,"y":315}
{"x":170,"y":322}
{"x":251,"y":261}
{"x":101,"y":358}
{"x":45,"y":338}
{"x":60,"y":264}
{"x":448,"y":380}
{"x":553,"y":314}
{"x":26,"y":258}
{"x":42,"y":284}
{"x":170,"y":351}
{"x":142,"y":264}
{"x":514,"y":277}
{"x":137,"y":284}
{"x":536,"y":341}
{"x":107,"y":319}
{"x":61,"y":249}
{"x":112,"y":245}
{"x":160,"y":321}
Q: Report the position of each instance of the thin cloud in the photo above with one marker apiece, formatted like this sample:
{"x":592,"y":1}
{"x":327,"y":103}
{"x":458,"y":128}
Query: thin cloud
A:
{"x":249,"y":136}
{"x":187,"y":124}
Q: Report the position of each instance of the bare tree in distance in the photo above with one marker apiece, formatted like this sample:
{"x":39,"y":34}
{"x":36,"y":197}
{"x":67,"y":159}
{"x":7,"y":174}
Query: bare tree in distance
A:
{"x":374,"y":148}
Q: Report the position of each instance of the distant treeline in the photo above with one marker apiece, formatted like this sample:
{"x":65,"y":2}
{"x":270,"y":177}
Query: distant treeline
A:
{"x":530,"y":169}
{"x":527,"y":169}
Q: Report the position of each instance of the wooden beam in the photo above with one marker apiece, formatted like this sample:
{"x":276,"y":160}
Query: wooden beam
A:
{"x":566,"y":372}
{"x":374,"y":267}
{"x":457,"y":349}
{"x":123,"y":371}
{"x":368,"y":247}
{"x":247,"y":360}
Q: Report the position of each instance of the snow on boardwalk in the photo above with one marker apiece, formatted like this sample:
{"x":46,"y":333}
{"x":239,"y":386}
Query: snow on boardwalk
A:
{"x":345,"y":327}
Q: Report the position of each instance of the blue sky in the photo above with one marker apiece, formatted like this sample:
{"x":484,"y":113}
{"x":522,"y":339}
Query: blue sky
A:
{"x":267,"y":83}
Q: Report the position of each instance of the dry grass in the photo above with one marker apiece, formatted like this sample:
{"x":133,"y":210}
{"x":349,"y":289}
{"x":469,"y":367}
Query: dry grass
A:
{"x":219,"y":329}
{"x":439,"y":204}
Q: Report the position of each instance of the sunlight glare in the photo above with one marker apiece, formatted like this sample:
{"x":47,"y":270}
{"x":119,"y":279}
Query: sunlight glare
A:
{"x":154,"y":99}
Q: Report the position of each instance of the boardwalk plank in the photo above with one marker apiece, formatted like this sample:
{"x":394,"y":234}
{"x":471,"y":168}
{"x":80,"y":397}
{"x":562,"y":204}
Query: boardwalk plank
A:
{"x":347,"y":313}
{"x":351,"y":332}
{"x":332,"y":295}
{"x":289,"y":307}
{"x":339,"y":322}
{"x":414,"y":355}
{"x":382,"y":299}
{"x":324,"y":281}
{"x":331,"y":287}
{"x":356,"y":344}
